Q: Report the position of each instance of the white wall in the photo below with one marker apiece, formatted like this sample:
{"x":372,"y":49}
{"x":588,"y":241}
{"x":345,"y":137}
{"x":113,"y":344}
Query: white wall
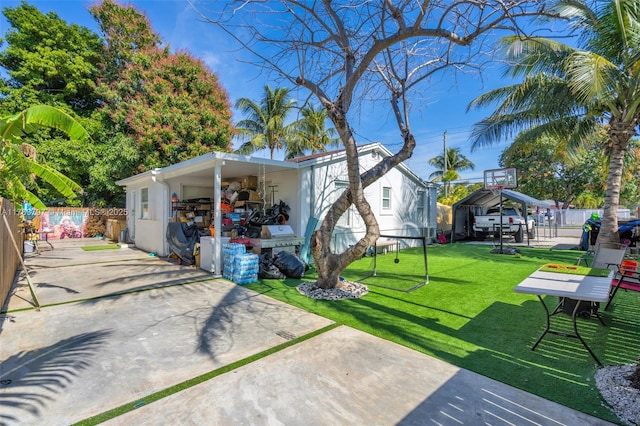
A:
{"x":144,"y":232}
{"x":400,"y":219}
{"x":288,"y":190}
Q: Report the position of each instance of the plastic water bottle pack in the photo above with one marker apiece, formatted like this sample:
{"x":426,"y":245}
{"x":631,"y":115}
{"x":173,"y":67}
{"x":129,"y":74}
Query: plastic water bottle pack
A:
{"x":239,"y":266}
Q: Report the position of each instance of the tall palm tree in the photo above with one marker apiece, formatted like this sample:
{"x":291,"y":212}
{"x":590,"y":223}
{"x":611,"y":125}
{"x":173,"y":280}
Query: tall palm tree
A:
{"x":311,"y":133}
{"x":18,"y":165}
{"x":448,"y":168}
{"x":264,"y":127}
{"x":575,"y":90}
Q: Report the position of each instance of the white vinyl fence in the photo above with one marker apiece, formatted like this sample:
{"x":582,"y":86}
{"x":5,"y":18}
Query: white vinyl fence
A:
{"x":577,"y":217}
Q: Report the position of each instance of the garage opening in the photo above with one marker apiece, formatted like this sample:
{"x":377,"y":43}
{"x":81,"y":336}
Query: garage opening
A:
{"x":476,"y":204}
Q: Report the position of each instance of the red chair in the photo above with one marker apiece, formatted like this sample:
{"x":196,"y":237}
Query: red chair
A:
{"x":627,"y":278}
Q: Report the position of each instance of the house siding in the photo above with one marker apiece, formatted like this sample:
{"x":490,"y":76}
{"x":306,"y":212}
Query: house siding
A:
{"x":401,"y":219}
{"x":307,"y":186}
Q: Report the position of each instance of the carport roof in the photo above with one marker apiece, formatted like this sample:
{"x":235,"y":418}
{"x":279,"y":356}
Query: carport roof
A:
{"x":486,"y":198}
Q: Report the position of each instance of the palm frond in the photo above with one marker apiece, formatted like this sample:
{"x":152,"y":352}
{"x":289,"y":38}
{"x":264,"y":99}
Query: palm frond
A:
{"x":533,"y":55}
{"x":60,"y":182}
{"x":591,"y":76}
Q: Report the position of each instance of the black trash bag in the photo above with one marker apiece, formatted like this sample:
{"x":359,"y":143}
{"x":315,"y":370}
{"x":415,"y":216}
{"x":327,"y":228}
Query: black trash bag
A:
{"x":251,"y":231}
{"x":290,"y":264}
{"x":182,"y":238}
{"x":268,"y":270}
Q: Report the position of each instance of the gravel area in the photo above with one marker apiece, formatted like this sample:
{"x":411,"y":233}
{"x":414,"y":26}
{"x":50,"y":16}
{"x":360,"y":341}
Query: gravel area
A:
{"x":616,"y":389}
{"x":345,"y":290}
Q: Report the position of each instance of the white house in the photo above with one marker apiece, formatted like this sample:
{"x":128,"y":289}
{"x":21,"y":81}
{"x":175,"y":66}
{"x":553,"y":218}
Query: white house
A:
{"x":404,"y":204}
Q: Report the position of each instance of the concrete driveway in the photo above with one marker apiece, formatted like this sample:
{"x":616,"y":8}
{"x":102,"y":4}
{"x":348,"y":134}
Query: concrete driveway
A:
{"x":118,"y":325}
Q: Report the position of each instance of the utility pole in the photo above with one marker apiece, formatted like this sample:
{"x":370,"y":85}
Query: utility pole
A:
{"x":444,"y":172}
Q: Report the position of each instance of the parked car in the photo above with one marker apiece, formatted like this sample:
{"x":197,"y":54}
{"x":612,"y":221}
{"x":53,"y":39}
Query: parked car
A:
{"x":512,"y":223}
{"x":629,"y":232}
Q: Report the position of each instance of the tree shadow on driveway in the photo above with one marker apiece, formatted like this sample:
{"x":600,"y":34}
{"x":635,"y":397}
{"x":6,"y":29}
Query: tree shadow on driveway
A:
{"x":29,"y":380}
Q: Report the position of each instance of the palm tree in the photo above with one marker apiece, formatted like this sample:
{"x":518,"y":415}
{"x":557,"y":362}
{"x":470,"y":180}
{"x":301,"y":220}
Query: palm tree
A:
{"x":448,"y":168}
{"x":311,"y":133}
{"x":575,"y":90}
{"x":18,"y":164}
{"x":265,"y":126}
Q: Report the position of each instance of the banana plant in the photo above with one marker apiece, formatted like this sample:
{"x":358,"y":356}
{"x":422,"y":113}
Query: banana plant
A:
{"x":18,"y":164}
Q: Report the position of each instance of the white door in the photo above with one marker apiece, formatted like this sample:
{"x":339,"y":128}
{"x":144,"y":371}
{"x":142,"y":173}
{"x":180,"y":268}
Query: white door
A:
{"x":132,"y":216}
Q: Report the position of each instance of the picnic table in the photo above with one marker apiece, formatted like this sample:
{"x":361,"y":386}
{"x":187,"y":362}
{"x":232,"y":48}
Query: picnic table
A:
{"x":568,"y":282}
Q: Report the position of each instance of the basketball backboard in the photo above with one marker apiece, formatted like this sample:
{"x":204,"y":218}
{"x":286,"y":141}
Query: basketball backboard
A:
{"x":500,"y":178}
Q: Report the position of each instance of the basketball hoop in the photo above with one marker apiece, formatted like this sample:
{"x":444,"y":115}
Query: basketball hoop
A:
{"x":498,"y":179}
{"x":496,"y":190}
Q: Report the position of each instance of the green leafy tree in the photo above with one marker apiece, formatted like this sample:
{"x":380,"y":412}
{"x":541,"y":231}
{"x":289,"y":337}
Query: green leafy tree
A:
{"x":172,"y":107}
{"x":126,"y":32}
{"x":169,"y":104}
{"x":48,"y":62}
{"x":311,"y":134}
{"x":458,"y":192}
{"x":588,"y":200}
{"x":264,"y":126}
{"x":547,"y":171}
{"x":576,"y":90}
{"x":18,"y":159}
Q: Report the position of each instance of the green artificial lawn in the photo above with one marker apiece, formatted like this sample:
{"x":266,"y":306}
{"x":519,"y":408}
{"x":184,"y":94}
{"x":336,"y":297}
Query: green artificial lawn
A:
{"x":100,"y":247}
{"x":469,"y":316}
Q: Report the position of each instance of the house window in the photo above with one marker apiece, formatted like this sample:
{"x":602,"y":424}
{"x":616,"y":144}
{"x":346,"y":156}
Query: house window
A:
{"x":144,"y":203}
{"x":346,"y":219}
{"x":386,"y":198}
{"x":420,"y":206}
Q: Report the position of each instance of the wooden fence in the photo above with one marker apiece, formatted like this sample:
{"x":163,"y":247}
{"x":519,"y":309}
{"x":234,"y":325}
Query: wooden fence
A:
{"x":9,"y":257}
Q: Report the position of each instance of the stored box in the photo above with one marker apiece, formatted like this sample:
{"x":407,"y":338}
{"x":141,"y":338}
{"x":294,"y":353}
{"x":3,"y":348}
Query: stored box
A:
{"x":250,"y":182}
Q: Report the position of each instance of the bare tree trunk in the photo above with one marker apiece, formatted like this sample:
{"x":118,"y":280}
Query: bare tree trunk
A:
{"x":330,"y":265}
{"x":383,"y":50}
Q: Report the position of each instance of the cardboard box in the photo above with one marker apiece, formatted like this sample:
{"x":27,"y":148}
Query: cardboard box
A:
{"x":250,"y":182}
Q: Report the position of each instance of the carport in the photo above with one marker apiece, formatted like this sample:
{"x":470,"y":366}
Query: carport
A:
{"x":478,"y":202}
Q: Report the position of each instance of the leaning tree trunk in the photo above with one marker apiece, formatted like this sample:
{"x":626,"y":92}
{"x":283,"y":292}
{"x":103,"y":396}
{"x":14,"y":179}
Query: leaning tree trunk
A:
{"x":331,"y":265}
{"x":619,"y":136}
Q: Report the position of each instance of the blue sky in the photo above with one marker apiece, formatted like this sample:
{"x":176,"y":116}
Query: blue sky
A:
{"x":444,"y":110}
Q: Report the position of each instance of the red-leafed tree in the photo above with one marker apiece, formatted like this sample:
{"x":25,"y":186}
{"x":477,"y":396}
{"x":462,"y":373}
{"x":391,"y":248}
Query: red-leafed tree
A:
{"x":170,"y":104}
